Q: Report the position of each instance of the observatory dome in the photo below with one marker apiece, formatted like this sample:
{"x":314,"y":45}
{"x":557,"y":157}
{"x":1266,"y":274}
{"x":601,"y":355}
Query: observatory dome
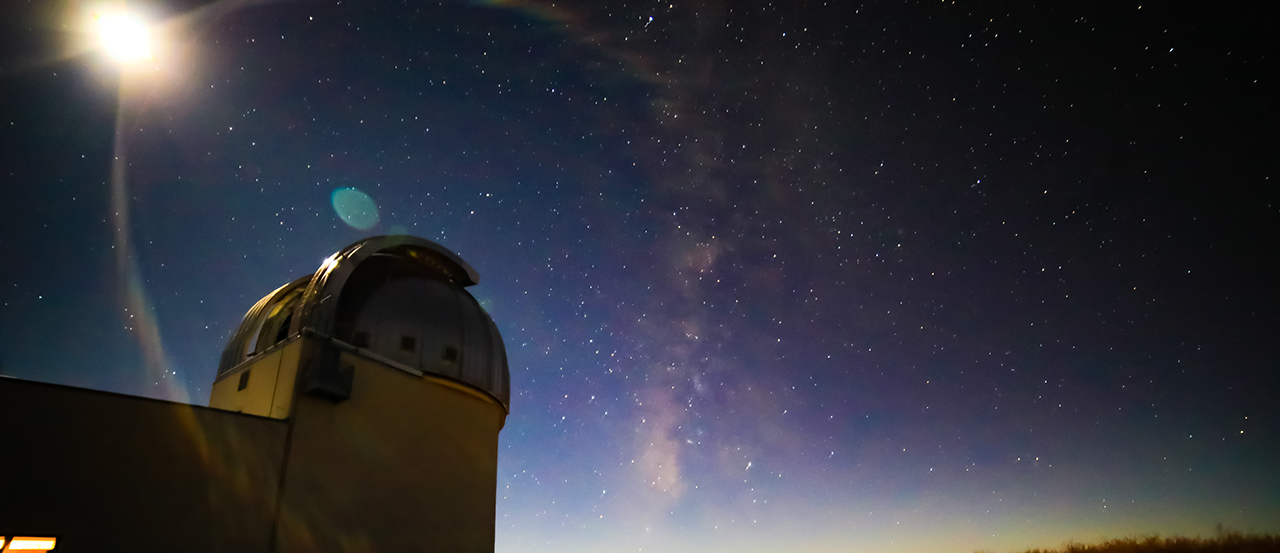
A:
{"x":399,"y":299}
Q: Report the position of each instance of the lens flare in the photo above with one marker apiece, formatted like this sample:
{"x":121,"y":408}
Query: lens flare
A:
{"x":355,"y":208}
{"x":140,"y":319}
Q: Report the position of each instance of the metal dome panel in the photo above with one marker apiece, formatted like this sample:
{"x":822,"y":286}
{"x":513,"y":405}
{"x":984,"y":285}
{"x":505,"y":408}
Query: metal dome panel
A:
{"x":400,"y":298}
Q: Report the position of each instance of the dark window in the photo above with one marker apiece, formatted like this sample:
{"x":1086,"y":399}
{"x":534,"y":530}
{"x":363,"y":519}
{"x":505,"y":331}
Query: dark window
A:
{"x":407,"y":343}
{"x":244,"y":380}
{"x":360,"y":339}
{"x":284,"y":328}
{"x":450,"y":353}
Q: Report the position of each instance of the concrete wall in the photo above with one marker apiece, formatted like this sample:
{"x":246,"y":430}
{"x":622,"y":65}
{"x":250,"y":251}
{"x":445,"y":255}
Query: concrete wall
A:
{"x":108,"y":472}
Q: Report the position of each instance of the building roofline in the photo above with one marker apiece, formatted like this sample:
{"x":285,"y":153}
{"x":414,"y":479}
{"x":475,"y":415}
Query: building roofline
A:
{"x":13,"y":380}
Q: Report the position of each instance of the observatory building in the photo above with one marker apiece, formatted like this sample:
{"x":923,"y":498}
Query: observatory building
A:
{"x":355,"y":409}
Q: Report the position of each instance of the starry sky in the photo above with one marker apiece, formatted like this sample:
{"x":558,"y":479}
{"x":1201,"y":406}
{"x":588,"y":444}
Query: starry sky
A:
{"x":802,"y":276}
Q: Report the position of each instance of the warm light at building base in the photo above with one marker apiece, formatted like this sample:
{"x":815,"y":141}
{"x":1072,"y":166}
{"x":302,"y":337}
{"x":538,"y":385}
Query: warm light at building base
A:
{"x":25,"y":543}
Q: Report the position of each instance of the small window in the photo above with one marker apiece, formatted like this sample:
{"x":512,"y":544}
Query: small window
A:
{"x":407,"y":343}
{"x":450,"y":353}
{"x":244,"y":380}
{"x":360,"y":339}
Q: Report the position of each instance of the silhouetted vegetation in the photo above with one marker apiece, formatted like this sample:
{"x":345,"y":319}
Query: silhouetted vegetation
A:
{"x":1226,"y":541}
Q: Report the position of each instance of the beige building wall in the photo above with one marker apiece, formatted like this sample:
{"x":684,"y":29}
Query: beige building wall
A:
{"x":408,"y":463}
{"x":269,"y":386}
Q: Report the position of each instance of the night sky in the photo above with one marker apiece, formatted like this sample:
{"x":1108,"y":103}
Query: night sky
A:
{"x":800,"y":276}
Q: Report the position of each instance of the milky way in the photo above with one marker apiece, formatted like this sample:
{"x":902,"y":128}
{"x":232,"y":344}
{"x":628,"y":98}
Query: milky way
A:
{"x":814,"y":277}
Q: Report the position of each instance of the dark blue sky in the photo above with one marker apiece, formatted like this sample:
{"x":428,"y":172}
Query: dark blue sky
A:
{"x":817,"y":277}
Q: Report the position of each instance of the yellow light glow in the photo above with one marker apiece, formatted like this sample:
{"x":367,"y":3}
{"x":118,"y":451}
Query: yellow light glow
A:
{"x":124,"y":36}
{"x":22,"y":543}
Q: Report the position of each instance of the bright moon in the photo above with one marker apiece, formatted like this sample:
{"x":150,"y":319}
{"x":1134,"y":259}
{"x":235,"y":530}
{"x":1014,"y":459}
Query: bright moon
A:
{"x":124,"y":36}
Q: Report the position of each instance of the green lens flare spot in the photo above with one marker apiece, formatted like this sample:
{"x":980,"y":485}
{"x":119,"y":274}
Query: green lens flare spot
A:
{"x":355,"y":208}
